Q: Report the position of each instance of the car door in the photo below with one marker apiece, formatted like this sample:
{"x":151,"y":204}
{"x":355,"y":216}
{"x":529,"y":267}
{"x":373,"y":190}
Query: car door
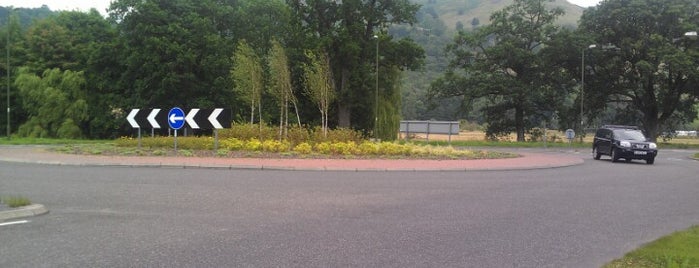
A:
{"x":604,"y":145}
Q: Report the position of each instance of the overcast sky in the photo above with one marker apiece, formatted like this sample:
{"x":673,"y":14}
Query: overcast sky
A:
{"x":102,"y":5}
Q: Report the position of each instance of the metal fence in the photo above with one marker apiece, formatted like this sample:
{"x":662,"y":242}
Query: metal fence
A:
{"x":429,"y":127}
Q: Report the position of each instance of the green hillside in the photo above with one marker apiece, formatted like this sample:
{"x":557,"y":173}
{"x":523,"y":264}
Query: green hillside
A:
{"x":436,"y":27}
{"x":465,"y":11}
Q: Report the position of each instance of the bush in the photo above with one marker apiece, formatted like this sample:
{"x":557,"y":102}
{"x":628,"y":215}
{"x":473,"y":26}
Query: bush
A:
{"x":15,"y":201}
{"x":303,"y":148}
{"x":232,"y":144}
{"x":390,"y":148}
{"x":249,"y":131}
{"x":323,"y":148}
{"x":344,"y":148}
{"x":465,"y":125}
{"x":275,"y":146}
{"x":298,"y":135}
{"x":337,"y":135}
{"x":253,"y":145}
{"x":368,"y":148}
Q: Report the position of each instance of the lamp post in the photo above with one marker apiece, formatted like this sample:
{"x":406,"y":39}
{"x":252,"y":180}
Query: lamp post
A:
{"x":582,"y":89}
{"x":608,"y":46}
{"x":376,"y":90}
{"x":7,"y":46}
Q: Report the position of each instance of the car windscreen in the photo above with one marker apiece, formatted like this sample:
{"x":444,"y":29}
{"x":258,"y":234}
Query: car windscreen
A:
{"x":631,"y":135}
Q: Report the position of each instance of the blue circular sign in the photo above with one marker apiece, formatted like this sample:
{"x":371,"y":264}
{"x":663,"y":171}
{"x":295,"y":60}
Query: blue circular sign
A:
{"x":175,"y":118}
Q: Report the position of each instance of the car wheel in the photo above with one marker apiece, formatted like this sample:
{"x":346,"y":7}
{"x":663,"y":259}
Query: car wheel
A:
{"x":627,"y":160}
{"x":614,"y":155}
{"x":595,"y":154}
{"x":650,"y":161}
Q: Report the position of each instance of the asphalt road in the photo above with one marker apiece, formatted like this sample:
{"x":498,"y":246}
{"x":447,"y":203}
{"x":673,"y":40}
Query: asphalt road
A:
{"x":580,"y":216}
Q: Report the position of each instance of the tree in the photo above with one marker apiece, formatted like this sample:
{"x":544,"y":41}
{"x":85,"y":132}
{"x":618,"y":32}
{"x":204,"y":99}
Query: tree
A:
{"x":173,"y":52}
{"x":319,"y":86}
{"x":652,"y":79}
{"x":501,"y":63}
{"x":55,"y":103}
{"x":345,"y":29}
{"x":247,"y":75}
{"x":281,"y":89}
{"x":389,"y":115}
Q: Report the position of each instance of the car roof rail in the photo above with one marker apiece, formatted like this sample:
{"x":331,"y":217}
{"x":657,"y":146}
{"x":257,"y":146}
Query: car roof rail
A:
{"x":620,"y":126}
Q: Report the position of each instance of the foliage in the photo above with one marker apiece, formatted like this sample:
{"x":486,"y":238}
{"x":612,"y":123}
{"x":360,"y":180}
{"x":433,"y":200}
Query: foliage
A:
{"x":281,"y":88}
{"x":247,"y":75}
{"x":651,"y":79}
{"x":15,"y":201}
{"x":319,"y":86}
{"x":345,"y":30}
{"x":340,"y":142}
{"x":501,"y":63}
{"x":55,"y":103}
{"x":173,"y":53}
{"x":388,"y":117}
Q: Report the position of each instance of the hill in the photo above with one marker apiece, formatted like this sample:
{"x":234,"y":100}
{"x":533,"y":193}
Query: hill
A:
{"x":451,"y":12}
{"x":438,"y":21}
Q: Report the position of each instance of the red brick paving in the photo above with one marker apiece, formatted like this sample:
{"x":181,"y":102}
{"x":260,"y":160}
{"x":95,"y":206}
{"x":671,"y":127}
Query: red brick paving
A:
{"x":528,"y":160}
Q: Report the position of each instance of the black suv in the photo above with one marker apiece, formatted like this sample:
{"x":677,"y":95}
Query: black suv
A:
{"x":626,"y":142}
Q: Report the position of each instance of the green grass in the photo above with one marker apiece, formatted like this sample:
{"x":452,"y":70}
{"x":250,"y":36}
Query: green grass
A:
{"x":16,"y":201}
{"x":40,"y":141}
{"x":696,"y":156}
{"x":680,"y":249}
{"x":509,"y":144}
{"x":574,"y":144}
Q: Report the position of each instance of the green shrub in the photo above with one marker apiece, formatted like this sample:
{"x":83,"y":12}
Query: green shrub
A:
{"x":186,"y":153}
{"x":232,"y":144}
{"x":222,"y":152}
{"x":253,"y":145}
{"x":16,"y":201}
{"x":303,"y":148}
{"x":390,"y":148}
{"x":368,"y":148}
{"x":275,"y":146}
{"x":298,"y":135}
{"x":323,"y":148}
{"x":344,"y":148}
{"x":247,"y":131}
{"x":337,"y":135}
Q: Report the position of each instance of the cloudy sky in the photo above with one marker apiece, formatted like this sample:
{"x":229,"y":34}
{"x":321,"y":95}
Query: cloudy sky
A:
{"x":102,"y":5}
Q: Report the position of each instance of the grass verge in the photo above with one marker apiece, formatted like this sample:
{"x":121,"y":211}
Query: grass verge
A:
{"x":680,"y":249}
{"x":15,"y":201}
{"x":39,"y":141}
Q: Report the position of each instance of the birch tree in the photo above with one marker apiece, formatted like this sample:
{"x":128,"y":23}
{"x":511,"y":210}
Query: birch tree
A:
{"x":247,"y":76}
{"x":319,"y":85}
{"x":280,"y":86}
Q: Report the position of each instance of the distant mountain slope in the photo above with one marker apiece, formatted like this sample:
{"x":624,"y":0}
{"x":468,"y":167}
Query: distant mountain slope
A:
{"x":465,"y":11}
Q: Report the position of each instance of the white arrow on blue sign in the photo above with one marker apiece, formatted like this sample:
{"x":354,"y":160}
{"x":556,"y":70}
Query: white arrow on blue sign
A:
{"x":175,"y":118}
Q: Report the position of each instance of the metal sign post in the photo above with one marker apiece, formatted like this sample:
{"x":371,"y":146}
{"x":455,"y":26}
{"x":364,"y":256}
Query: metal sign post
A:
{"x":570,"y":135}
{"x":175,"y":118}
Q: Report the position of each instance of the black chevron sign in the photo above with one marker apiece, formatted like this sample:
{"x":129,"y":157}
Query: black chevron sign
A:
{"x":195,"y":118}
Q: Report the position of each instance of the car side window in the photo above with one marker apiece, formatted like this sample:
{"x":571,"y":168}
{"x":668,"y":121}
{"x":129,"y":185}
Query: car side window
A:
{"x":608,"y":134}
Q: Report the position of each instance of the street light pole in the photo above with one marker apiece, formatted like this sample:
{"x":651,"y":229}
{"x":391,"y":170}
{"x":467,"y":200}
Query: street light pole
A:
{"x":582,"y":90}
{"x":7,"y":45}
{"x":376,"y":106}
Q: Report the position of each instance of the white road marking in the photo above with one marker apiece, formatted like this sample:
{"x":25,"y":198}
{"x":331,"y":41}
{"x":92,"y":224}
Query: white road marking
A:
{"x":13,"y":223}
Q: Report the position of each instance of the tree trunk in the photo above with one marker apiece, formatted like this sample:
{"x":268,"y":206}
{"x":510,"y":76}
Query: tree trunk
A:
{"x":519,"y":123}
{"x":344,"y":109}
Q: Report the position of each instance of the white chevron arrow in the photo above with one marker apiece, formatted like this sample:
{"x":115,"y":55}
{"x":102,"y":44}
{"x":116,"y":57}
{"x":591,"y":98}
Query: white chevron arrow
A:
{"x":213,"y":120}
{"x":190,"y":118}
{"x":132,"y":118}
{"x":151,"y":118}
